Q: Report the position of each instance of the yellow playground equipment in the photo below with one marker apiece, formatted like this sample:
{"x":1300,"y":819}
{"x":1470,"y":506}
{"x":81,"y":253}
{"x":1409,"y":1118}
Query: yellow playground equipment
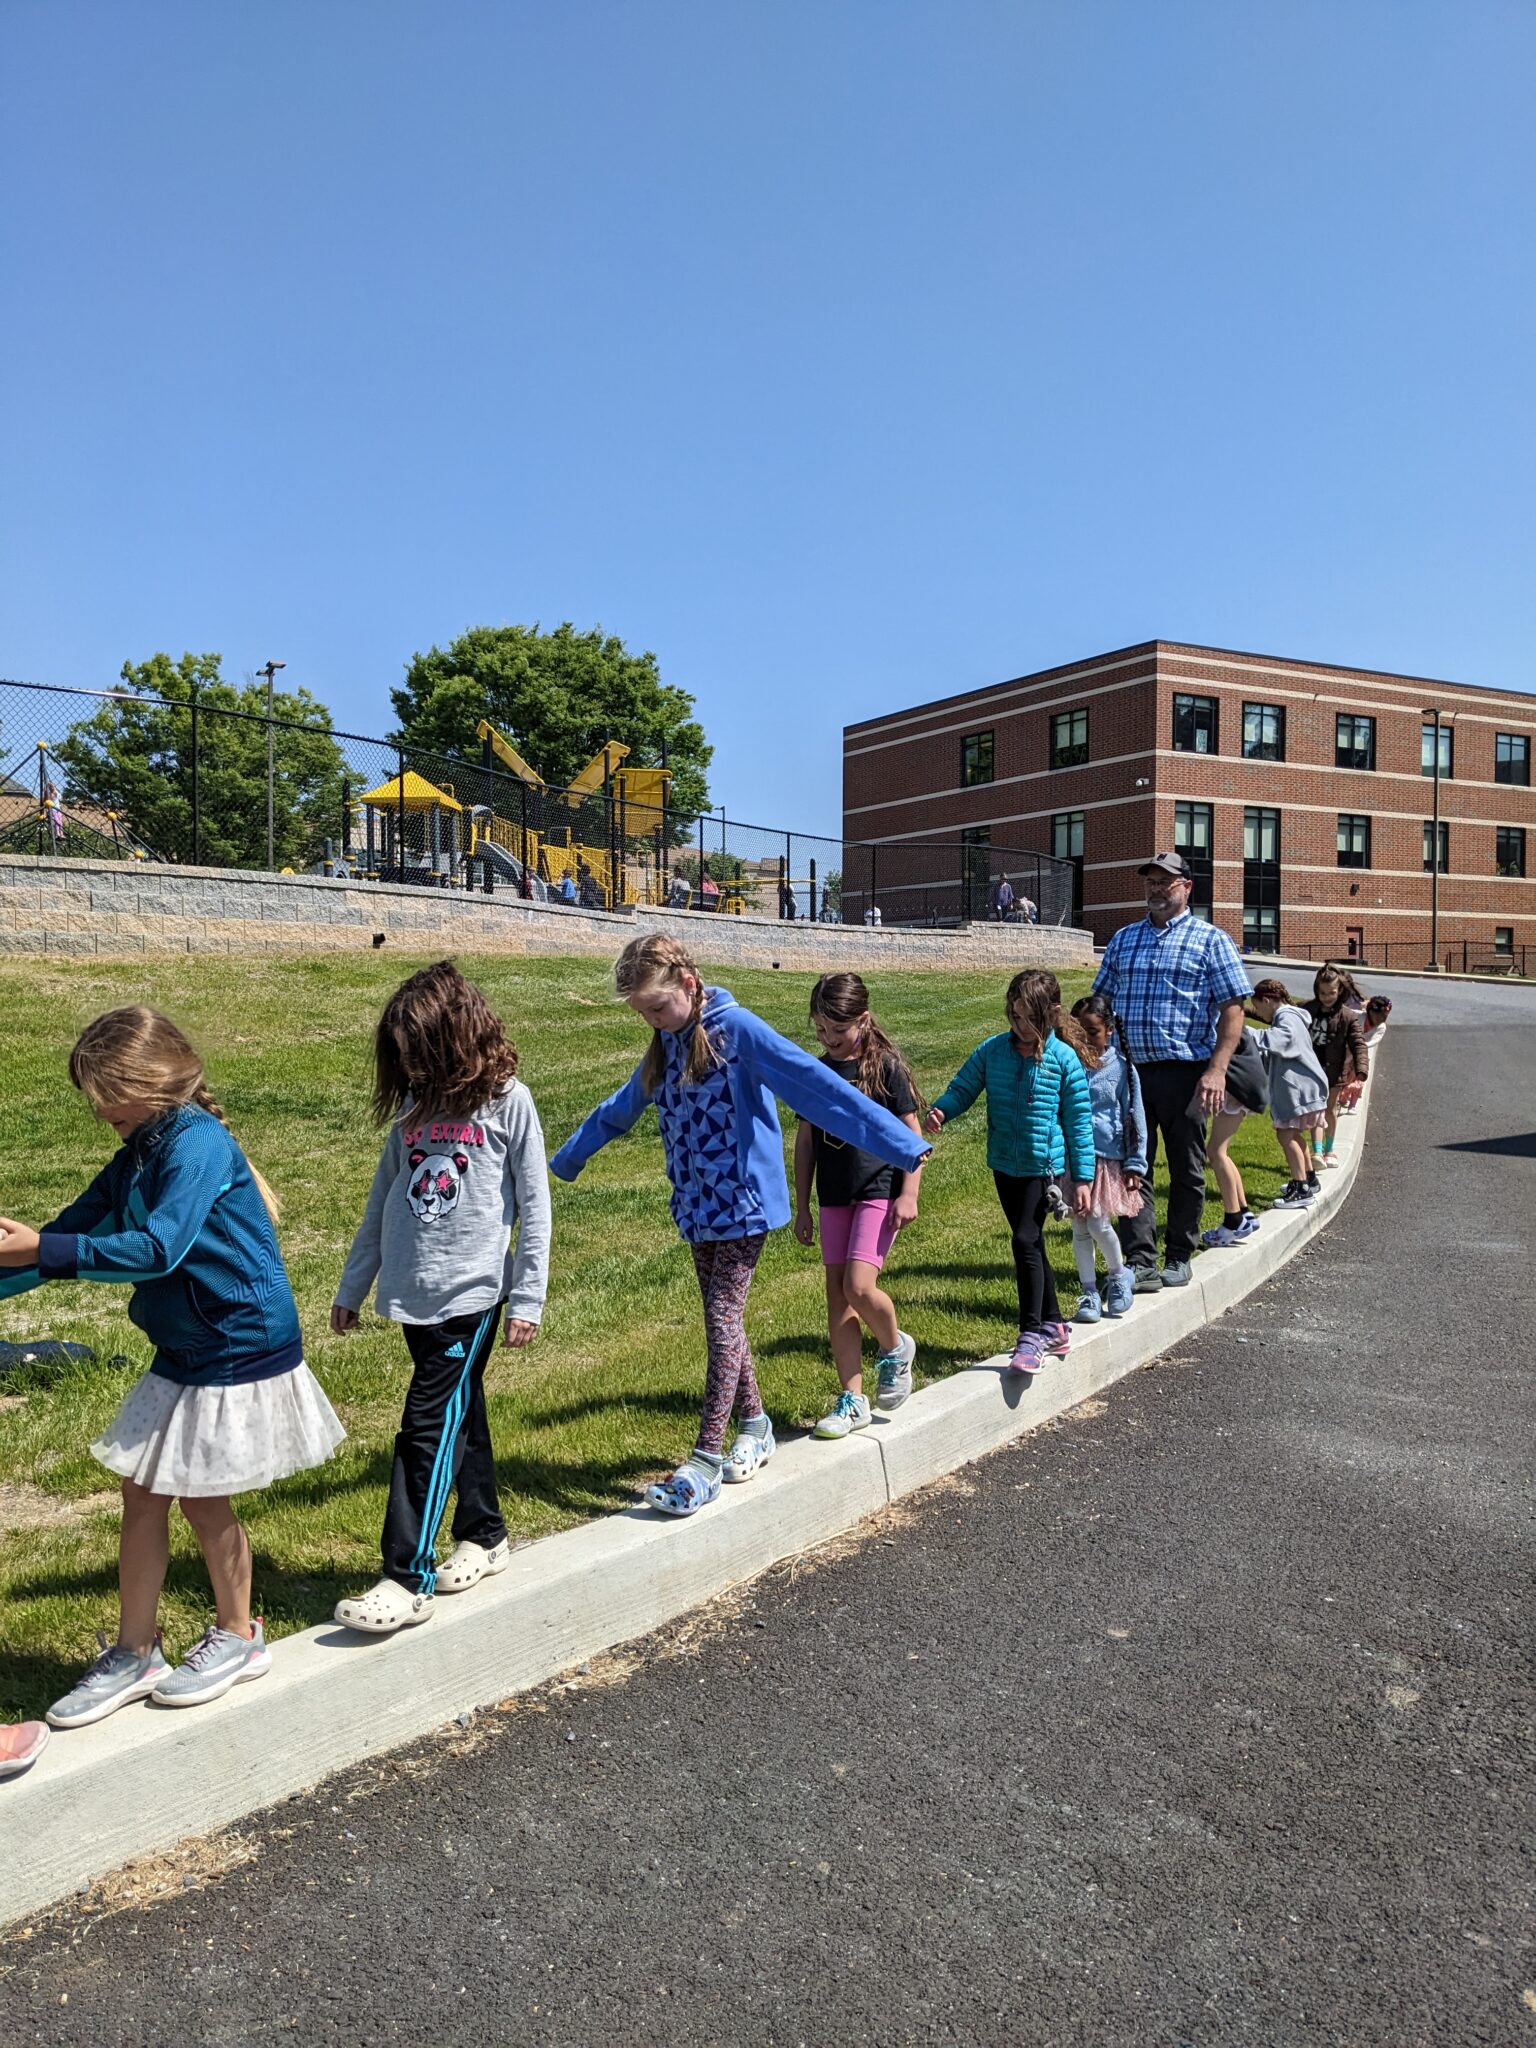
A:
{"x":542,"y":830}
{"x":406,"y":808}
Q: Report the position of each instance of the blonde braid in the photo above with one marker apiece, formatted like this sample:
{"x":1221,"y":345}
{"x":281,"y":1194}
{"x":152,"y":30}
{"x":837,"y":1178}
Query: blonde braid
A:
{"x":204,"y":1097}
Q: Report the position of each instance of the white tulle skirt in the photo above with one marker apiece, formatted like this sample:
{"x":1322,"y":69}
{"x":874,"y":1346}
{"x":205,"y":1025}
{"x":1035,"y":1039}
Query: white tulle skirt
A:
{"x":173,"y":1439}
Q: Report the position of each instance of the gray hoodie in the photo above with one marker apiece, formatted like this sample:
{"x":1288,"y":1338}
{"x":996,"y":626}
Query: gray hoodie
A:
{"x":1298,"y":1086}
{"x":443,"y":1203}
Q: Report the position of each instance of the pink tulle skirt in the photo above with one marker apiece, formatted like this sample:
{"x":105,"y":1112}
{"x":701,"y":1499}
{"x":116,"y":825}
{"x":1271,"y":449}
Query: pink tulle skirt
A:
{"x":1109,"y":1194}
{"x":1315,"y":1120}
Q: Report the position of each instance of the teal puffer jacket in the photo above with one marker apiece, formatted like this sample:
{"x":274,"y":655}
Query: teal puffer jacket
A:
{"x":1039,"y":1117}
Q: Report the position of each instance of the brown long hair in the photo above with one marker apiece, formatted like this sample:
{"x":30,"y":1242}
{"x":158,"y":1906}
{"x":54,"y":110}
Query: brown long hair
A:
{"x":439,"y":1042}
{"x":1038,"y":992}
{"x":843,"y":999}
{"x":136,"y":1055}
{"x":659,"y":962}
{"x":1349,"y":991}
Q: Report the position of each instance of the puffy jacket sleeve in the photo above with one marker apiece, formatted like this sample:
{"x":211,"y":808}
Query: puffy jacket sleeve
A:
{"x":822,"y":1097}
{"x":1133,"y":1112}
{"x":180,"y":1185}
{"x":530,"y":1175}
{"x":362,"y":1267}
{"x":966,"y":1086}
{"x":1076,"y":1116}
{"x":611,"y":1119}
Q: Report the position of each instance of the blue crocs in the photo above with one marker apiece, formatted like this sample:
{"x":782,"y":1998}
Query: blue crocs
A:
{"x":690,"y":1488}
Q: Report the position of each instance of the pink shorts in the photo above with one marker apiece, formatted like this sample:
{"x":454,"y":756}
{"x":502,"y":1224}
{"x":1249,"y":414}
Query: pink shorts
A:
{"x":864,"y":1231}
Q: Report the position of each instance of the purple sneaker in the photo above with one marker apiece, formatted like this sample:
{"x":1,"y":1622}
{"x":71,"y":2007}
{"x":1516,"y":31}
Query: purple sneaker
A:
{"x":1058,"y":1339}
{"x":1029,"y":1352}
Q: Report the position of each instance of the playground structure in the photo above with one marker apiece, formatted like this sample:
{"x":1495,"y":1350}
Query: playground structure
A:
{"x":37,"y":817}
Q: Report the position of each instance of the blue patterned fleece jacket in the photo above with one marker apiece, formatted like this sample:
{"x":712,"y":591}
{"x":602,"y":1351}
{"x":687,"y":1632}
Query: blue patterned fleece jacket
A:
{"x":176,"y":1216}
{"x":722,"y":1139}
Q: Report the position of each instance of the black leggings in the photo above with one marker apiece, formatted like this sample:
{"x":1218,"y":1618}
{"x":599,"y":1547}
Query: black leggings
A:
{"x":1024,"y":1205}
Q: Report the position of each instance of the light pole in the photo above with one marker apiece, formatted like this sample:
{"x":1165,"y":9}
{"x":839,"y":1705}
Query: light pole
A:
{"x":1434,"y":853}
{"x":269,"y":672}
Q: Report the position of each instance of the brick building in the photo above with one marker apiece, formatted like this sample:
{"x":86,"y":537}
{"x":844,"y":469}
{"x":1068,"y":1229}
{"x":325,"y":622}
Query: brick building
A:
{"x":1300,"y":793}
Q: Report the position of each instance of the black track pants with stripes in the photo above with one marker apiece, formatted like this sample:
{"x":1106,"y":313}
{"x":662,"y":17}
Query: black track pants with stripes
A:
{"x":444,"y":1442}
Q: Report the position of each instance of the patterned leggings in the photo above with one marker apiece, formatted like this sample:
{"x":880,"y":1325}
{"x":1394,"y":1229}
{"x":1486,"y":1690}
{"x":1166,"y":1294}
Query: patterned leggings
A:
{"x":725,"y":1274}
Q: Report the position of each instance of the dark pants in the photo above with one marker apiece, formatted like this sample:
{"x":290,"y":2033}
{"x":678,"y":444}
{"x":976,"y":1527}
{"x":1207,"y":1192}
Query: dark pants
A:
{"x":444,"y":1441}
{"x":1024,"y":1205}
{"x":1168,"y":1098}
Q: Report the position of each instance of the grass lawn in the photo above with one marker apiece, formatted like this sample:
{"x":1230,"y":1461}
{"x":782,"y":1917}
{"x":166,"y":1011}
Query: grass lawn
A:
{"x":604,"y":1401}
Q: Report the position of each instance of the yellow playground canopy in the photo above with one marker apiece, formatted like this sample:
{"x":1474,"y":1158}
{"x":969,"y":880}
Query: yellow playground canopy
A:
{"x":410,"y":792}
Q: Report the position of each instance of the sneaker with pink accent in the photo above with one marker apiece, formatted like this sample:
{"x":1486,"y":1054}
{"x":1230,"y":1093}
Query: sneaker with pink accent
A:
{"x":1029,"y":1352}
{"x":1058,"y":1339}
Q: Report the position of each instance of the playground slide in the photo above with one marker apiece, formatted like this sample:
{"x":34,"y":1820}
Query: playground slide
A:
{"x":510,"y":869}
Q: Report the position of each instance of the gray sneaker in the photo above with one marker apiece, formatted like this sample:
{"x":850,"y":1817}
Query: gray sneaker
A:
{"x":895,"y":1370}
{"x":850,"y":1413}
{"x":221,"y":1659}
{"x":1147,"y":1278}
{"x":1176,"y":1273}
{"x":118,"y":1676}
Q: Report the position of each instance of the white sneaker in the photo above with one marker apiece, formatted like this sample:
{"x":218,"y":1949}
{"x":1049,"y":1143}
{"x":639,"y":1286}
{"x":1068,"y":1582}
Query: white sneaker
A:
{"x":850,"y":1413}
{"x":384,"y":1608}
{"x":895,"y":1370}
{"x":470,"y":1563}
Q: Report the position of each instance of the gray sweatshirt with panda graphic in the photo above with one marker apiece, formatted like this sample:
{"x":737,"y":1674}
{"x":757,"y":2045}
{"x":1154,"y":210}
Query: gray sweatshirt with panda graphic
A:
{"x":444,"y":1202}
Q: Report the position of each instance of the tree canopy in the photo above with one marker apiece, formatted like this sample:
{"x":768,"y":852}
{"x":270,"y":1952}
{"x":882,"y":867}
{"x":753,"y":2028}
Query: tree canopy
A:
{"x":558,"y":697}
{"x":134,"y":755}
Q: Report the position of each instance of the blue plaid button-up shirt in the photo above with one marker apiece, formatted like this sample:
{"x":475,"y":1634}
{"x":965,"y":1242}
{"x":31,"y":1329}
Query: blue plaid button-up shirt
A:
{"x":1168,"y":987}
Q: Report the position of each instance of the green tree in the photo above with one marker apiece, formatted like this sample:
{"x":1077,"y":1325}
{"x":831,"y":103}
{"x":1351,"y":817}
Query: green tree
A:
{"x":558,"y":697}
{"x":134,"y":755}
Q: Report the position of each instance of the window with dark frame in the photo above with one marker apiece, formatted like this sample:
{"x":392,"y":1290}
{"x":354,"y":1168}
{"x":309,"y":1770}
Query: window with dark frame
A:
{"x":1067,"y":835}
{"x":1445,"y":847}
{"x":1261,"y":878}
{"x":1194,"y":724}
{"x":1427,"y":750}
{"x":1193,"y":825}
{"x":1509,"y":850}
{"x":1354,"y":840}
{"x":1263,"y":732}
{"x":1069,"y":739}
{"x":1504,"y":938}
{"x":975,"y":870}
{"x":1512,"y":759}
{"x":1354,"y":741}
{"x":976,"y":759}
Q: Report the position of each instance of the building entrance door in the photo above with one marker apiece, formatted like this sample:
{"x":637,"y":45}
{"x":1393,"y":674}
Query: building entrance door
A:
{"x":1354,"y":941}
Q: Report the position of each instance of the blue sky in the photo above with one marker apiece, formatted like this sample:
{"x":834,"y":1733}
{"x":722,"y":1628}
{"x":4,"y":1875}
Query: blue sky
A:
{"x":844,"y":355}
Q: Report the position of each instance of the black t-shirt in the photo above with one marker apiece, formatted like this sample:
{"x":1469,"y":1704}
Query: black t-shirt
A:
{"x":846,"y":1174}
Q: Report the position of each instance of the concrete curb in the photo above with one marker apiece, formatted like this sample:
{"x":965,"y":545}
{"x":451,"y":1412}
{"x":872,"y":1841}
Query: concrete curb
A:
{"x":150,"y":1777}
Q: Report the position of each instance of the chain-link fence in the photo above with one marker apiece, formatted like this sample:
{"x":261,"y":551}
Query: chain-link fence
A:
{"x":87,"y":774}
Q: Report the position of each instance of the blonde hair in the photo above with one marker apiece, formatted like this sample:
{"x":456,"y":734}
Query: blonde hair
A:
{"x":136,"y":1055}
{"x":659,"y":962}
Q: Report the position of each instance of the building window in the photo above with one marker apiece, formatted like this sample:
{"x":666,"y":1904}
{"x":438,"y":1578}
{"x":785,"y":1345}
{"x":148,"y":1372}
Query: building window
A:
{"x":1354,"y":840}
{"x":975,"y":759}
{"x":1354,"y":741}
{"x":1427,"y":750}
{"x":1067,"y":835}
{"x":1512,"y":758}
{"x":1504,"y":938}
{"x":1509,"y":850}
{"x":1263,"y":732}
{"x":1445,"y":848}
{"x":1069,"y":739}
{"x":975,"y":870}
{"x":1261,"y":879}
{"x":1194,"y":724}
{"x":1192,"y":837}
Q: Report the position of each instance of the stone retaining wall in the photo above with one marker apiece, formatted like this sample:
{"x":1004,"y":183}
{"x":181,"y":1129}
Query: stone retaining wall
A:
{"x":120,"y":909}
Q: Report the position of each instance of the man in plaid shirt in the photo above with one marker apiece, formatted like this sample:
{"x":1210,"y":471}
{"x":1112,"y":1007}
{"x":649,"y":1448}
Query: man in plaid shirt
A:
{"x":1179,"y":989}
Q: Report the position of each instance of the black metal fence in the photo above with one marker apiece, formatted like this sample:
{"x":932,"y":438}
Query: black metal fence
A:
{"x":1464,"y":956}
{"x":88,"y":774}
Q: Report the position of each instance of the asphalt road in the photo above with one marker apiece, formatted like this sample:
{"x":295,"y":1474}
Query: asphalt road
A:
{"x":1204,"y":1717}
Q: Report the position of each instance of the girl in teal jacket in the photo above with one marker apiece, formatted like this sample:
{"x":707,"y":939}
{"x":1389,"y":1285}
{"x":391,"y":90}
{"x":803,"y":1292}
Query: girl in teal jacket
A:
{"x":1039,"y":1126}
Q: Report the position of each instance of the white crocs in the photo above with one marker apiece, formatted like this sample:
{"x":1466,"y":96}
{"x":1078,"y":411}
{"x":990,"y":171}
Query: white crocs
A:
{"x":384,"y":1608}
{"x":747,"y":1453}
{"x":472,"y":1562}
